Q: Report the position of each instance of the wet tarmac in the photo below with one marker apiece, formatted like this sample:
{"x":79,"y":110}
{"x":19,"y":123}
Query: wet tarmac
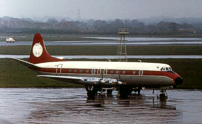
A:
{"x":71,"y":105}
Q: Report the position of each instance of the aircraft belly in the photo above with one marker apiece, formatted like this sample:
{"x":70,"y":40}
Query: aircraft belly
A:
{"x":148,"y":81}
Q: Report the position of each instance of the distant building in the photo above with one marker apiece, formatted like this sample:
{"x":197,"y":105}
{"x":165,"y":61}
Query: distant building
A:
{"x":10,"y":40}
{"x":187,"y":30}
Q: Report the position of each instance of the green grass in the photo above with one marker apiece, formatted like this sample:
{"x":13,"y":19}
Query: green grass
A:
{"x":106,"y":50}
{"x":13,"y":74}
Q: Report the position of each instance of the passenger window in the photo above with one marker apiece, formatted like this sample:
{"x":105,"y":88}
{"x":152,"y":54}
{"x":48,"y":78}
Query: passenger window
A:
{"x":163,"y":69}
{"x":117,"y":72}
{"x":81,"y":71}
{"x":75,"y":71}
{"x":87,"y":71}
{"x":70,"y":71}
{"x":111,"y":72}
{"x":134,"y":72}
{"x":123,"y":72}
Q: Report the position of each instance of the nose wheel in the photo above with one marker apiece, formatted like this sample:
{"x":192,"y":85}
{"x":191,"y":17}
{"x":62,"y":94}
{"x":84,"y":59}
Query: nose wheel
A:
{"x":163,"y":96}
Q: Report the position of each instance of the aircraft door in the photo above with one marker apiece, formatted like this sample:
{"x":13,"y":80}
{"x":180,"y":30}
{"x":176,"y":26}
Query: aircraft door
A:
{"x":93,"y":71}
{"x":59,"y":68}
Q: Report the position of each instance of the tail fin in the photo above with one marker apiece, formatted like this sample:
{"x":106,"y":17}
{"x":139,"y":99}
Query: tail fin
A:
{"x":38,"y":52}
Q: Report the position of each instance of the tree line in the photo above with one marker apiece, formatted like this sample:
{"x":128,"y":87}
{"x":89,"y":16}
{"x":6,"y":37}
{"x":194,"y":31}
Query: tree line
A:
{"x":135,"y":27}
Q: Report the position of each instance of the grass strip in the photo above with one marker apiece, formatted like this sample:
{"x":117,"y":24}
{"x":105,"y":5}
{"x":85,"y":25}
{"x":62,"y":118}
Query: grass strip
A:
{"x":106,"y":50}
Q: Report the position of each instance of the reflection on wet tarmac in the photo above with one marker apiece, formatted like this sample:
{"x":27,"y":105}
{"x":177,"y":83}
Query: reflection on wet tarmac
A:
{"x":71,"y":105}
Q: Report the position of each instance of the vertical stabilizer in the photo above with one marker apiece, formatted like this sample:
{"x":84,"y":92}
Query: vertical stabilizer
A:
{"x":38,"y":52}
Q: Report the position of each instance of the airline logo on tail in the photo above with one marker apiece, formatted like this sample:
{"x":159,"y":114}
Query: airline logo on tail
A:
{"x":37,"y":50}
{"x":39,"y":53}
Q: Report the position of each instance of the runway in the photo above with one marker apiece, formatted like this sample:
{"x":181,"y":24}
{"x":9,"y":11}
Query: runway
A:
{"x":71,"y":105}
{"x":114,"y":41}
{"x":104,"y":43}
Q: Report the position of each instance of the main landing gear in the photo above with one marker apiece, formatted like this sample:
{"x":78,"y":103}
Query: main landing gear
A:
{"x":91,"y":91}
{"x":123,"y":91}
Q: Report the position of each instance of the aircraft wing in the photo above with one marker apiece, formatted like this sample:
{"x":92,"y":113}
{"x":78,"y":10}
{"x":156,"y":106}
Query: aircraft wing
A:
{"x":83,"y":80}
{"x":71,"y":78}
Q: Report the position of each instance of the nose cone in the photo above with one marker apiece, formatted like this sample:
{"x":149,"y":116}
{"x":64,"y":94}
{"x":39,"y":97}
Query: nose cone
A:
{"x":178,"y":80}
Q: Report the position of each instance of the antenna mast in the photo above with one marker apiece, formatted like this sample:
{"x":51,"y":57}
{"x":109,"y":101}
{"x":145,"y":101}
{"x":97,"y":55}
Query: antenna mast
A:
{"x":122,"y":47}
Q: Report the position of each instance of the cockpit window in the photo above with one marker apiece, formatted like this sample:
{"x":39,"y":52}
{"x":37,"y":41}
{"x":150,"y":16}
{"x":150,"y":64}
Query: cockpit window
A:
{"x":166,"y":69}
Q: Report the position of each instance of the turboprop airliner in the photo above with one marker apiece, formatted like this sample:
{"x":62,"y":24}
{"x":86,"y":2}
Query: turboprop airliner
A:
{"x":99,"y":75}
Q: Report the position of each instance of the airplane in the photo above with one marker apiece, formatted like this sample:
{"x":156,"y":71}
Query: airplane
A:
{"x":100,"y":75}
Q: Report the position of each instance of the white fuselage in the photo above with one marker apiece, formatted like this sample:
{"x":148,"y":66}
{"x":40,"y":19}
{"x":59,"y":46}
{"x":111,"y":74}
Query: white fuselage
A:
{"x":104,"y":65}
{"x":134,"y":73}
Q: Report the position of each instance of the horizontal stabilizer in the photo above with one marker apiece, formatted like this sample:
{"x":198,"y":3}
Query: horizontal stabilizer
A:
{"x":28,"y":64}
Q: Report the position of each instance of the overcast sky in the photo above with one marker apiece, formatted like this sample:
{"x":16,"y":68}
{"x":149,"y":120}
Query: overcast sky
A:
{"x":101,"y":9}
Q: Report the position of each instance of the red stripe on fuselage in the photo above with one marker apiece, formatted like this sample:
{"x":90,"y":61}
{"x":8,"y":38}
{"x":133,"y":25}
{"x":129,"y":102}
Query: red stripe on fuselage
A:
{"x":67,"y":71}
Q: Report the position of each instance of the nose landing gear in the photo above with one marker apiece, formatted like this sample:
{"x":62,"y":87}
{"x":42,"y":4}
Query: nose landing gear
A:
{"x":163,"y":96}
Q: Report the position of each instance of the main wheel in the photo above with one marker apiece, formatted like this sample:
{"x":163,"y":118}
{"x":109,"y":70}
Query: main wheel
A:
{"x":91,"y":90}
{"x":124,"y":91}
